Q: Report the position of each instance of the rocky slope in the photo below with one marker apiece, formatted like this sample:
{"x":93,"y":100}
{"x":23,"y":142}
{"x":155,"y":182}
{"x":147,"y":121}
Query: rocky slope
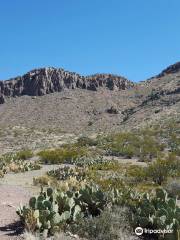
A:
{"x":159,"y":98}
{"x":174,"y":68}
{"x":43,"y":81}
{"x":50,"y":105}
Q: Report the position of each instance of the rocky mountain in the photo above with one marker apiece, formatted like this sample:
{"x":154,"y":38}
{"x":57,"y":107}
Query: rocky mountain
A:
{"x":53,"y":102}
{"x":174,"y":68}
{"x":43,"y":81}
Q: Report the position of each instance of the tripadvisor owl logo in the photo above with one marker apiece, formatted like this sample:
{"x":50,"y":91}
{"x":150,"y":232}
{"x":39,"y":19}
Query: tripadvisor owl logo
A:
{"x":138,"y":231}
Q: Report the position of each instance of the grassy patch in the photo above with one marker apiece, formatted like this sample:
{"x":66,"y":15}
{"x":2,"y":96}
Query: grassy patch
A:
{"x":62,"y":155}
{"x":24,"y":154}
{"x":142,"y":144}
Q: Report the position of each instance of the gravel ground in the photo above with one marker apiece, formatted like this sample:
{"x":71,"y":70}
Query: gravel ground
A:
{"x":10,"y":199}
{"x":16,"y":189}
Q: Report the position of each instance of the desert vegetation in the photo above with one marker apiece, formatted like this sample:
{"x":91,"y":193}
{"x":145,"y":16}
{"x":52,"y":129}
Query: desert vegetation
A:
{"x":16,"y":162}
{"x":94,"y":194}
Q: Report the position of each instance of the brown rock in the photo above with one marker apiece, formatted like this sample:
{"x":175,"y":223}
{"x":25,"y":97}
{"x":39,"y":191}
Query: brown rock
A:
{"x":43,"y":81}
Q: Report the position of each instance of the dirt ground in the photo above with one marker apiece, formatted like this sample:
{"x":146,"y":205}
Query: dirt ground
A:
{"x":16,"y":189}
{"x":10,"y":198}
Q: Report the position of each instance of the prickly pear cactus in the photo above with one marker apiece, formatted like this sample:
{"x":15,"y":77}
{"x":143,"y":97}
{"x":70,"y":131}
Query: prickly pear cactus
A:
{"x":51,"y":209}
{"x":158,"y":212}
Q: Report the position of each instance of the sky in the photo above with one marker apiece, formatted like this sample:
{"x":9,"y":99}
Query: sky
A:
{"x":133,"y":38}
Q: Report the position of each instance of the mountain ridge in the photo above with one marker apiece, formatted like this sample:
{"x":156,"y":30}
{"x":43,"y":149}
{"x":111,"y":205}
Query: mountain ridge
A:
{"x":78,"y":110}
{"x":173,"y":68}
{"x":47,"y":80}
{"x":42,"y":81}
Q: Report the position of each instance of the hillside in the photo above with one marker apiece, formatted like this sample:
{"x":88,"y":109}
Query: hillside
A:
{"x":110,"y":147}
{"x":52,"y":98}
{"x":55,"y":101}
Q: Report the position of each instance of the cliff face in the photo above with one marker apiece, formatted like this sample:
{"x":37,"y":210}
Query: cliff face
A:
{"x":48,"y":80}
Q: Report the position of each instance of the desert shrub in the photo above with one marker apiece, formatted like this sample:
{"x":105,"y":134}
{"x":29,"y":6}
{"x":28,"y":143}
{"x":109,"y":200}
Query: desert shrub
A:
{"x":142,"y":144}
{"x":69,"y":184}
{"x":145,"y":187}
{"x":8,"y":157}
{"x":121,"y":144}
{"x":161,"y":169}
{"x":21,"y":155}
{"x":154,"y":95}
{"x":120,"y":150}
{"x":107,"y":184}
{"x":105,"y":165}
{"x":137,"y":173}
{"x":89,"y":161}
{"x":156,"y":172}
{"x":61,"y":155}
{"x":57,"y":236}
{"x":14,"y":162}
{"x":174,"y":143}
{"x":111,"y":224}
{"x":11,"y":163}
{"x":173,"y":188}
{"x":86,"y":141}
{"x":1,"y":173}
{"x":21,"y":166}
{"x":68,"y":172}
{"x":24,"y":154}
{"x":149,"y":148}
{"x":44,"y":180}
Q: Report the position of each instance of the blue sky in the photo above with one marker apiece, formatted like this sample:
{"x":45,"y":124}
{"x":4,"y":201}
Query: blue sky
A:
{"x":133,"y":38}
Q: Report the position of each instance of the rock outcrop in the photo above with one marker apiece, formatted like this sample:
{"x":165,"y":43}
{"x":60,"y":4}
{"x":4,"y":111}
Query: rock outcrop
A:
{"x":2,"y":99}
{"x":43,"y":81}
{"x":174,"y":68}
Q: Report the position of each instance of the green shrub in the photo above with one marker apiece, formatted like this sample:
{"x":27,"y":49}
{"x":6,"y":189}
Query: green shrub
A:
{"x":157,"y":171}
{"x":8,"y":157}
{"x":61,"y":155}
{"x":67,"y":172}
{"x":105,"y":165}
{"x":86,"y":141}
{"x":122,"y":144}
{"x":161,"y":169}
{"x":1,"y":174}
{"x":111,"y":224}
{"x":174,"y":143}
{"x":24,"y":154}
{"x":143,"y":144}
{"x":87,"y":161}
{"x":107,"y":184}
{"x":44,"y":180}
{"x":173,"y":188}
{"x":149,"y":148}
{"x":137,"y":173}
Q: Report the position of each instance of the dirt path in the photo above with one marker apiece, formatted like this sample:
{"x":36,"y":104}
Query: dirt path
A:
{"x":10,"y":198}
{"x":16,"y":189}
